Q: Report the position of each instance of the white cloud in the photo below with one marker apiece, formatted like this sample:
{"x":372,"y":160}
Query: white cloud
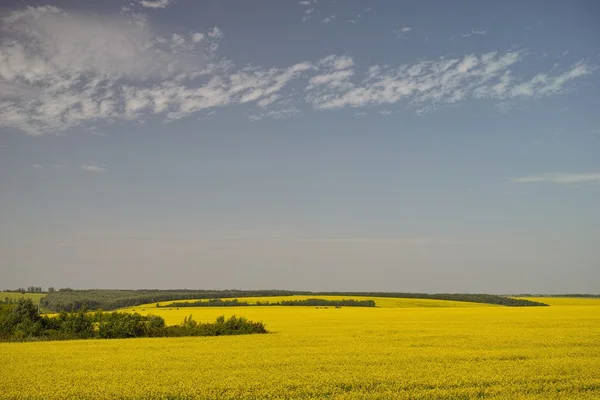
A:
{"x":328,"y":19}
{"x":427,"y":85}
{"x":43,"y":45}
{"x":197,"y":37}
{"x":59,"y":71}
{"x":335,"y":72}
{"x":309,"y":9}
{"x":402,"y":31}
{"x":93,"y":168}
{"x":215,"y":33}
{"x":155,"y":3}
{"x":560,"y":177}
{"x":177,"y":40}
{"x":37,"y":166}
{"x":474,"y":33}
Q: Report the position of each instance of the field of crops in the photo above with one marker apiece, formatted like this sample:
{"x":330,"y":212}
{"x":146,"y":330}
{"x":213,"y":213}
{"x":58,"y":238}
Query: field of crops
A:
{"x":14,"y":296}
{"x":566,"y":301}
{"x":347,"y":353}
{"x":386,"y":302}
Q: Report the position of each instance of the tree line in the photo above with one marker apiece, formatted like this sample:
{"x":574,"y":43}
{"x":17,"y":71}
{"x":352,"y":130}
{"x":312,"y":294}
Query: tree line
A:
{"x":306,"y":302}
{"x":71,"y":300}
{"x":30,"y":289}
{"x":110,"y":299}
{"x":464,"y":297}
{"x":23,"y":321}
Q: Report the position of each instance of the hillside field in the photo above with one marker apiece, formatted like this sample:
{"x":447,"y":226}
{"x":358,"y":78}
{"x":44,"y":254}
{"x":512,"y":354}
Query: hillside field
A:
{"x":13,"y":296}
{"x":385,"y":302}
{"x":566,"y":301}
{"x":314,"y":353}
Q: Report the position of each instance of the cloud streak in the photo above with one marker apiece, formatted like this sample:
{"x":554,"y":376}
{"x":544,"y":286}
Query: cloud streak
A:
{"x":402,"y":31}
{"x":154,"y":3}
{"x":63,"y":70}
{"x":474,"y":33}
{"x":93,"y":168}
{"x":427,"y":85}
{"x":560,"y":178}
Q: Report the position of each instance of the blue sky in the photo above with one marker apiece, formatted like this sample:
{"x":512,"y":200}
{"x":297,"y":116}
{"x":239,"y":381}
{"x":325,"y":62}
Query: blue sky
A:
{"x":316,"y":145}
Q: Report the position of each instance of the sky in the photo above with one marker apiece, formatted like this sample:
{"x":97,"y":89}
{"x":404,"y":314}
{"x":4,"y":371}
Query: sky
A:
{"x":306,"y":145}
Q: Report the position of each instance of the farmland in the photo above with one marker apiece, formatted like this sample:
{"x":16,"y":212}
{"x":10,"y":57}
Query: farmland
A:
{"x":393,"y":351}
{"x":386,"y":302}
{"x":15,"y":296}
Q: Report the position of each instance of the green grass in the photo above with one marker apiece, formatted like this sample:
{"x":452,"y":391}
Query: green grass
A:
{"x":35,"y":297}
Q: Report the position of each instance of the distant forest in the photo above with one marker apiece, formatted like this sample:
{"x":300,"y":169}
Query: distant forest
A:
{"x":307,"y":302}
{"x":105,"y":299}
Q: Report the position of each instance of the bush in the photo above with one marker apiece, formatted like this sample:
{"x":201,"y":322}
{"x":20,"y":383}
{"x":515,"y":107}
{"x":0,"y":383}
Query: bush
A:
{"x":22,"y":321}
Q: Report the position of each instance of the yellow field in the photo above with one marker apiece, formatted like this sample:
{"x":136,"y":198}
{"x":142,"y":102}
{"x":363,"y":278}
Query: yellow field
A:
{"x":386,"y":302}
{"x":347,"y":353}
{"x":565,"y":301}
{"x":35,"y":297}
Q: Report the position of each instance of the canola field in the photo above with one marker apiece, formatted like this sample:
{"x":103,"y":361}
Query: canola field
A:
{"x":387,"y":302}
{"x":389,"y":352}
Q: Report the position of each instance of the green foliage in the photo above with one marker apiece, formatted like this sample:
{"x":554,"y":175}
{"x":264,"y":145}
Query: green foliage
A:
{"x":231,"y":326}
{"x":121,"y":325}
{"x":78,"y":325}
{"x":324,"y":303}
{"x":22,"y":321}
{"x":209,"y":303}
{"x":71,"y":300}
{"x":307,"y":302}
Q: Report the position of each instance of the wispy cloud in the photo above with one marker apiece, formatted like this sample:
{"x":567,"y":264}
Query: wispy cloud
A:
{"x":282,"y":113}
{"x":309,"y":8}
{"x":402,"y":31}
{"x":474,"y":33}
{"x":430,"y":84}
{"x":215,"y":33}
{"x":560,"y":178}
{"x":328,"y":19}
{"x":154,"y":3}
{"x":93,"y":168}
{"x":66,"y":70}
